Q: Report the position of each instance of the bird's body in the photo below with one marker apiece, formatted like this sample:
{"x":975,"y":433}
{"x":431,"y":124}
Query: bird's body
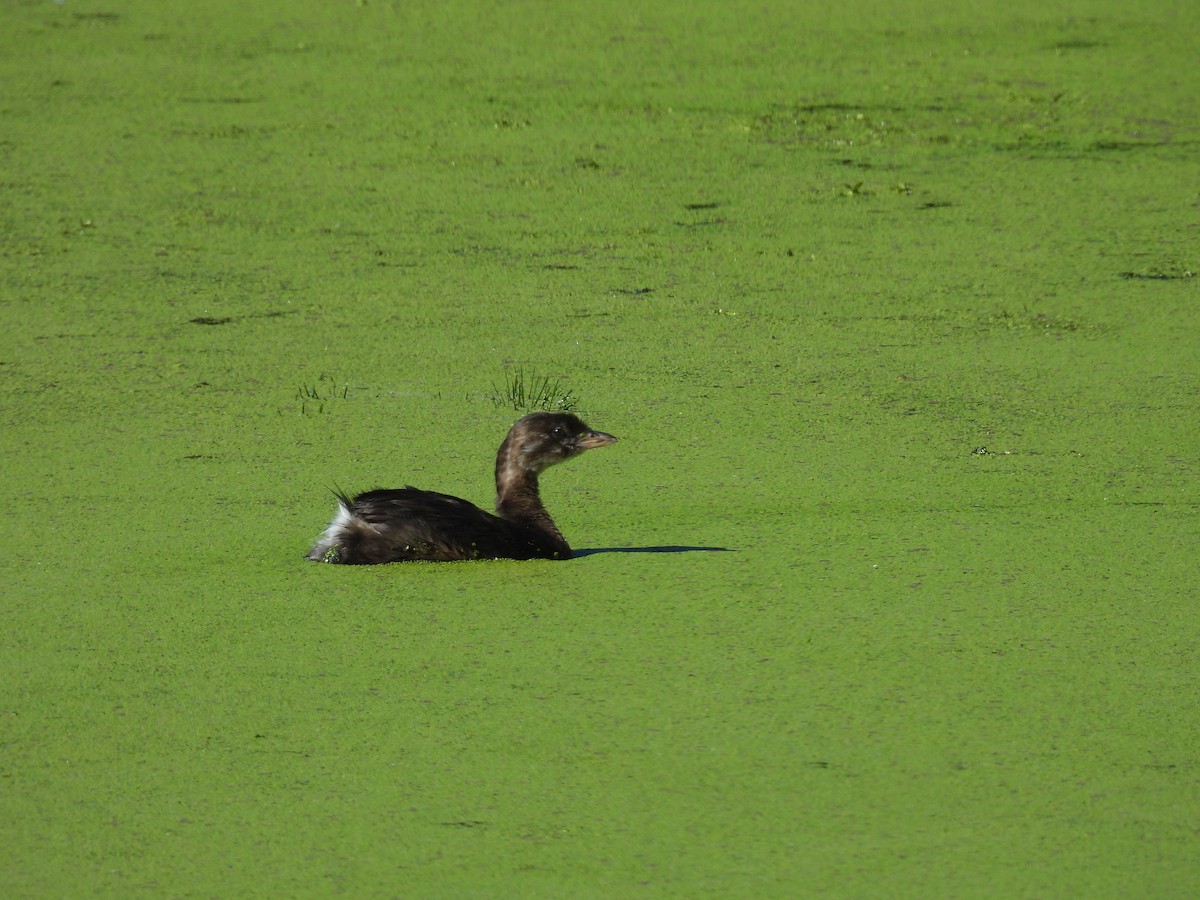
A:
{"x":409,"y":524}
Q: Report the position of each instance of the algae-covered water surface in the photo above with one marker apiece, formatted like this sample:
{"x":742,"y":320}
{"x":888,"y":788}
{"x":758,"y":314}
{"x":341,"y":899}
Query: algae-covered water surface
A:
{"x":888,"y":588}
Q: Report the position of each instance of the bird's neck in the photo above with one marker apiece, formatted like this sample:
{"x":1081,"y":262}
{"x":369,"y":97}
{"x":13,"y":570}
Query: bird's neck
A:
{"x":518,"y":500}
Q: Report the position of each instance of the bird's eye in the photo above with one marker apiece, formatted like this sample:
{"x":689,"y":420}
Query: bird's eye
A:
{"x":559,"y":431}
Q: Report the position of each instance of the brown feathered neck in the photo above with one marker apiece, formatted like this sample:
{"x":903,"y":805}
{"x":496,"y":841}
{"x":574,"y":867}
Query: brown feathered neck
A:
{"x":526,"y":451}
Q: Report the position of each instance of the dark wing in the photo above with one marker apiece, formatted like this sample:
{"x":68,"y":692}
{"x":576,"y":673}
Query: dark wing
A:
{"x":411,"y":524}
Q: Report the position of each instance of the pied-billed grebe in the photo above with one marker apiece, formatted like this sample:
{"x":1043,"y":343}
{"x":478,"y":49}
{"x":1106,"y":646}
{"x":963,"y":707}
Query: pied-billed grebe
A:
{"x":410,"y":524}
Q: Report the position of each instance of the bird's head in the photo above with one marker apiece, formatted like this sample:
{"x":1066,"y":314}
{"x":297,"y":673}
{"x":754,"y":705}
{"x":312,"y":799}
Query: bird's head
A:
{"x":543,"y":439}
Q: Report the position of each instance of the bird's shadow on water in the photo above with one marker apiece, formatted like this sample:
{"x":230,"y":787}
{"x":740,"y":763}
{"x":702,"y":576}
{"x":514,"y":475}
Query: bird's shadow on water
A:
{"x":669,"y":548}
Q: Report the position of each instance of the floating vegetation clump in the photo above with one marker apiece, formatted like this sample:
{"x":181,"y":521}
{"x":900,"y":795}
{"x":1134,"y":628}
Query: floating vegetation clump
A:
{"x":535,"y":393}
{"x":313,"y":397}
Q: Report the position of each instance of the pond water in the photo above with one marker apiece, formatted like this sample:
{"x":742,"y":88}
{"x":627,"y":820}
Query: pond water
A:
{"x":892,"y":307}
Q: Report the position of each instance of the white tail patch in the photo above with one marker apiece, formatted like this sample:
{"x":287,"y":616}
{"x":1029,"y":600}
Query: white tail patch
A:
{"x":331,"y":537}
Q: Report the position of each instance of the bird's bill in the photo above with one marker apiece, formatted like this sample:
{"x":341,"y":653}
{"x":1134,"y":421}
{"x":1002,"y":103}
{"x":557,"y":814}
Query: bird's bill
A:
{"x":589,"y":440}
